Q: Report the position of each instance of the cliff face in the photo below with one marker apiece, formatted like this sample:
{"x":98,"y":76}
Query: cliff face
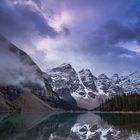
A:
{"x":18,"y":72}
{"x":17,"y":68}
{"x":80,"y":86}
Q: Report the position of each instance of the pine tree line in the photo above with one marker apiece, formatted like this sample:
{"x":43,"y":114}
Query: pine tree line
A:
{"x":125,"y":102}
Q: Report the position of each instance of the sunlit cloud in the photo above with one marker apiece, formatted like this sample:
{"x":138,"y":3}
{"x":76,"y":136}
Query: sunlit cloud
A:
{"x":137,"y":50}
{"x":131,"y":45}
{"x":60,"y":20}
{"x":126,"y":56}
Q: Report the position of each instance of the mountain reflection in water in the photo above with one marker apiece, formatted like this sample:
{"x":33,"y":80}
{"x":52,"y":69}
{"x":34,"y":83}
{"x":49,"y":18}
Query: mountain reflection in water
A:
{"x":69,"y":126}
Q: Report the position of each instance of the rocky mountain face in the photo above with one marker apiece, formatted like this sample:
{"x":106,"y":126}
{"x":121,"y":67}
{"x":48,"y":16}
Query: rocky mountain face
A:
{"x":129,"y":83}
{"x":20,"y":75}
{"x":90,"y":91}
{"x":106,"y":86}
{"x":88,"y":80}
{"x":65,"y":83}
{"x":81,"y":86}
{"x":17,"y":68}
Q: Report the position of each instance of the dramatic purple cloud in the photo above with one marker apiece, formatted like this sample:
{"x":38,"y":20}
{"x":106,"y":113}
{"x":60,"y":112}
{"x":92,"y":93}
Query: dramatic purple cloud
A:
{"x":101,"y":35}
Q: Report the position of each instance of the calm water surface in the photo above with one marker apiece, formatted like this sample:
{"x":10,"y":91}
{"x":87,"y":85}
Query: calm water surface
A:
{"x":69,"y":126}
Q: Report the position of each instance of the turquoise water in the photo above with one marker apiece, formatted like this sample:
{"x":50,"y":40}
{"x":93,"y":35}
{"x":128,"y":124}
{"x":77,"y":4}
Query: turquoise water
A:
{"x":69,"y":126}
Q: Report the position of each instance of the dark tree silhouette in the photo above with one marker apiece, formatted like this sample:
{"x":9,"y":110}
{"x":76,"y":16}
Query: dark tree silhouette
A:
{"x":125,"y":102}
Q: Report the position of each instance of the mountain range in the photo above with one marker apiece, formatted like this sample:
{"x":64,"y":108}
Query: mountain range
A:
{"x":25,"y":87}
{"x":88,"y":90}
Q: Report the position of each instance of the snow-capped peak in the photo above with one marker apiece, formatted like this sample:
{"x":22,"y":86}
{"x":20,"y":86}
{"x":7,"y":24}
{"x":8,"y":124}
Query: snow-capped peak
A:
{"x":88,"y":79}
{"x":131,"y":83}
{"x":115,"y":78}
{"x":89,"y":90}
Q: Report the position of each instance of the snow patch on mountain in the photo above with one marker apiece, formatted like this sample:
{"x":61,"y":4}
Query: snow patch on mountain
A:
{"x":90,"y":91}
{"x":130,"y":83}
{"x":65,"y":76}
{"x":80,"y":85}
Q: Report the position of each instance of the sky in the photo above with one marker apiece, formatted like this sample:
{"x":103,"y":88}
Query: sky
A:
{"x":100,"y":35}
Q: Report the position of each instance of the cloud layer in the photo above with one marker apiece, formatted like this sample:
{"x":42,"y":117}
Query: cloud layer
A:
{"x":101,"y":35}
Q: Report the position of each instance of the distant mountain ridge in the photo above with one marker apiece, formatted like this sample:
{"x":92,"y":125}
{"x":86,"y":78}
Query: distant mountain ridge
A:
{"x":129,"y":83}
{"x":88,"y":90}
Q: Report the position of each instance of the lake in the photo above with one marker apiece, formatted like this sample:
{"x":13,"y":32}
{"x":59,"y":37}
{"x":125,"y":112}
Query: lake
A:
{"x":69,"y":126}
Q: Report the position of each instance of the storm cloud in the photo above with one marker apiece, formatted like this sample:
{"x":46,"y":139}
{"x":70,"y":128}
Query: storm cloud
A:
{"x":102,"y":35}
{"x":22,"y":20}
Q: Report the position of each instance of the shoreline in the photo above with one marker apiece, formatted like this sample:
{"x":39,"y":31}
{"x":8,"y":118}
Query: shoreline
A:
{"x":116,"y":112}
{"x":71,"y":111}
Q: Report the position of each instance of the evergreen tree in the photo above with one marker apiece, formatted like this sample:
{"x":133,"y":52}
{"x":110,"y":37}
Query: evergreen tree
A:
{"x":125,"y":102}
